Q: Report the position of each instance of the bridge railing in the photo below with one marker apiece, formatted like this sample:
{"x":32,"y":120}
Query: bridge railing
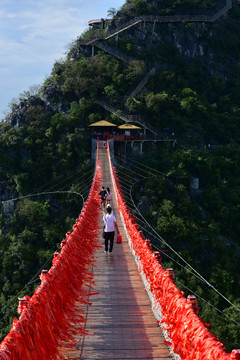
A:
{"x":185,"y":333}
{"x":48,"y":319}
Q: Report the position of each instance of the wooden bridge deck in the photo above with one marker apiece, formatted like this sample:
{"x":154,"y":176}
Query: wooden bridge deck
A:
{"x":120,"y":320}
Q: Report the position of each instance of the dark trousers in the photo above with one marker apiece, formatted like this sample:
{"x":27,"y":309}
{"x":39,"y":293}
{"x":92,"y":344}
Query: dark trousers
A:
{"x":109,"y":236}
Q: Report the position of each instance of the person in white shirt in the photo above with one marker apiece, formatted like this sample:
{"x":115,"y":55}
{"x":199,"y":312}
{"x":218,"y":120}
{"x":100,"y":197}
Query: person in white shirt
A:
{"x":110,"y":224}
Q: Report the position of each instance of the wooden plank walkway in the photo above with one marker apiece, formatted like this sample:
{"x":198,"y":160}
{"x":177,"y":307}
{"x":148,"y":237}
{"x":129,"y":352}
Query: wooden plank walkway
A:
{"x":120,"y":320}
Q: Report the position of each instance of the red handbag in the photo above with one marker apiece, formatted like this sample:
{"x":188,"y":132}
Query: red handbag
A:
{"x":119,"y":239}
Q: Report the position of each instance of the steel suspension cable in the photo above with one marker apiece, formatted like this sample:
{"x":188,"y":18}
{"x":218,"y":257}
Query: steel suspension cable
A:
{"x":164,"y":241}
{"x":52,"y":192}
{"x":184,"y":268}
{"x":44,"y":193}
{"x":139,"y":168}
{"x":64,"y":175}
{"x":146,"y":166}
{"x":214,"y":307}
{"x":39,"y":270}
{"x":82,"y":176}
{"x":159,"y":238}
{"x":155,"y":246}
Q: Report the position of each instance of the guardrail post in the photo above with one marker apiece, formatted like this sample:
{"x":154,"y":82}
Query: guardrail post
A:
{"x":158,"y":256}
{"x":171,"y":273}
{"x":22,"y":304}
{"x":236,"y":354}
{"x":43,"y":275}
{"x":193,"y":300}
{"x":148,"y":242}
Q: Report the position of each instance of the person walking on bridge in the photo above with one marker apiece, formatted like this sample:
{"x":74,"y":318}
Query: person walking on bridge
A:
{"x":108,"y":196}
{"x":103,"y":195}
{"x":110,"y":223}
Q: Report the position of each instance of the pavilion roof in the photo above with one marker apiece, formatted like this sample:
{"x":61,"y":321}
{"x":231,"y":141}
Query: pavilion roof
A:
{"x":102,"y":123}
{"x":128,"y":126}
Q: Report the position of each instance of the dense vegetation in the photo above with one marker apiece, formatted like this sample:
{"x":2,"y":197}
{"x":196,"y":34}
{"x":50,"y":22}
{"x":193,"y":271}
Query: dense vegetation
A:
{"x":48,"y":150}
{"x":47,"y":154}
{"x":164,"y":7}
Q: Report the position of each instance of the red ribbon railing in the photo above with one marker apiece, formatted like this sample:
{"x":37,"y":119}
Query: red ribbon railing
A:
{"x":49,"y":318}
{"x":187,"y":335}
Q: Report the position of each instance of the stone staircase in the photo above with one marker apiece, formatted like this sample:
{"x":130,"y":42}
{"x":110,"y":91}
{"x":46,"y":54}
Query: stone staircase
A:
{"x":142,"y":83}
{"x":113,"y":109}
{"x":128,"y":118}
{"x":124,"y":27}
{"x":113,"y":51}
{"x":98,"y":37}
{"x":223,"y":11}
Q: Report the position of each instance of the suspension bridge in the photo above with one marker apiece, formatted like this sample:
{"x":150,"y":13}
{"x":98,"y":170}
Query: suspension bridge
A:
{"x":91,"y":305}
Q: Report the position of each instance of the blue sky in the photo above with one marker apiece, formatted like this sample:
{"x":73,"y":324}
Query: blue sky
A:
{"x":36,"y":33}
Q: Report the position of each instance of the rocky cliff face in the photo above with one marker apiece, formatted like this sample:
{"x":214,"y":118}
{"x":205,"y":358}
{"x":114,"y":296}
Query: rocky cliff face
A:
{"x":51,"y":96}
{"x":18,"y":116}
{"x":48,"y":100}
{"x":190,"y":39}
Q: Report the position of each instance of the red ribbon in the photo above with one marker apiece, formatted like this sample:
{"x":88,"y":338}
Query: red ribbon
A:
{"x":50,"y":318}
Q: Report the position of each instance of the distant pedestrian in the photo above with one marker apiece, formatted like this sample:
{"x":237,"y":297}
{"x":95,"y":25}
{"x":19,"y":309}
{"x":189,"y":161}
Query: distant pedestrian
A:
{"x":108,"y":205}
{"x":103,"y":195}
{"x":110,"y":224}
{"x":108,"y":196}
